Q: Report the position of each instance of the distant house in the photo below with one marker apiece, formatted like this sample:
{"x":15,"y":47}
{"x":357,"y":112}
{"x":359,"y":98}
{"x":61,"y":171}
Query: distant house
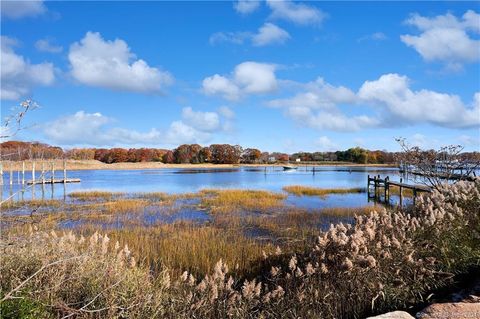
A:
{"x":298,"y":160}
{"x":272,"y":159}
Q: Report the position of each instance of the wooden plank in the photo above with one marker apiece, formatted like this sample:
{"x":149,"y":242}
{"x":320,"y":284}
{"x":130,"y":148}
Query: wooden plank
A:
{"x":55,"y":181}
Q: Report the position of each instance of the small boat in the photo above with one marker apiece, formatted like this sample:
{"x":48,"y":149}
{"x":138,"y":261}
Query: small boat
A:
{"x":289,"y":167}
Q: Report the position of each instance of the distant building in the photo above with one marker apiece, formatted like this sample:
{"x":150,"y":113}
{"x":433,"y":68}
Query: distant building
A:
{"x":298,"y":160}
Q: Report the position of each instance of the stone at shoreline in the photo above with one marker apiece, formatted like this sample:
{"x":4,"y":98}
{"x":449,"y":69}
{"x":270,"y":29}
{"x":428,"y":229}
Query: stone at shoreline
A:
{"x":393,"y":315}
{"x":458,"y":310}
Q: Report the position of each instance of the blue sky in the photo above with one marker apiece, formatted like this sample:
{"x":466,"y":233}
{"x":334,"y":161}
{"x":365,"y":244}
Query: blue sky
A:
{"x":276,"y":75}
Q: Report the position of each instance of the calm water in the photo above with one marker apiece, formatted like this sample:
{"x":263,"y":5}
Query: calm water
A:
{"x":192,"y":180}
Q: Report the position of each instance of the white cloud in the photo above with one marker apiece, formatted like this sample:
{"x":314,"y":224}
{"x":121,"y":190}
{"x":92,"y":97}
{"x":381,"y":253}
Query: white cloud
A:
{"x":181,"y":133}
{"x":269,"y":33}
{"x":201,"y":121}
{"x":446,"y":38}
{"x":319,"y":95}
{"x":46,"y":45}
{"x":21,"y":9}
{"x":111,"y":64}
{"x":220,"y":85}
{"x":325,"y":144}
{"x":406,"y":106}
{"x":295,"y":12}
{"x":246,"y":6}
{"x":19,"y":76}
{"x":387,"y":101}
{"x":231,"y":37}
{"x":94,"y":129}
{"x":247,"y":78}
{"x":226,"y":112}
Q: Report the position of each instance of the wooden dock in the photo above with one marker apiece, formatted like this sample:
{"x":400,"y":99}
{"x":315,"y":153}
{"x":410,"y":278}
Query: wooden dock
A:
{"x":54,"y":181}
{"x":383,"y":186}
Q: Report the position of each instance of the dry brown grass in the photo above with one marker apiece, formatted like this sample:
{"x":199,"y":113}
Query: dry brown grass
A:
{"x":95,"y":195}
{"x":237,"y":200}
{"x":313,"y":191}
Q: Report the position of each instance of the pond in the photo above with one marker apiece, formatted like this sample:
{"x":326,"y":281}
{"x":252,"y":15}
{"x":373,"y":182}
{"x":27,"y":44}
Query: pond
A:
{"x":177,"y":181}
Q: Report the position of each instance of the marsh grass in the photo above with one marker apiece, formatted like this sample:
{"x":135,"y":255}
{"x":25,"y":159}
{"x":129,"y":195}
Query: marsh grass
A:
{"x":237,"y":200}
{"x":95,"y":195}
{"x":299,"y":190}
{"x":385,"y":260}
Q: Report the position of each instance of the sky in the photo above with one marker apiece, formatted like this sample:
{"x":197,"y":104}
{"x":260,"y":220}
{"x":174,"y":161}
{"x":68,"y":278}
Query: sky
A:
{"x":282,"y":76}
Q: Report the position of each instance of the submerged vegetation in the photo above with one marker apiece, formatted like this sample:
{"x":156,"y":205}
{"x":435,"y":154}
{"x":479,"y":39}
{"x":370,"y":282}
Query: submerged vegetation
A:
{"x":251,"y":257}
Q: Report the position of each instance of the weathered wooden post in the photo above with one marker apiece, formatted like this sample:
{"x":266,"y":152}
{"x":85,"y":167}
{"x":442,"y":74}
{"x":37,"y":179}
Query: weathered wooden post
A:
{"x":368,"y":186}
{"x":43,"y":173}
{"x":385,"y":189}
{"x":23,"y":172}
{"x":414,"y":195}
{"x":33,"y":172}
{"x":11,"y":174}
{"x":64,"y":171}
{"x":401,"y":191}
{"x":53,"y":172}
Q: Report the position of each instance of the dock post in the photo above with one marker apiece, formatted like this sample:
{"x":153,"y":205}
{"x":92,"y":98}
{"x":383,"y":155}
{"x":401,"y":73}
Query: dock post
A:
{"x":23,"y":172}
{"x":386,"y":193}
{"x":414,"y":195}
{"x":33,"y":172}
{"x":1,"y":173}
{"x":368,"y":186}
{"x":43,"y":172}
{"x":53,"y":172}
{"x":11,"y":174}
{"x":401,"y":192}
{"x":65,"y":171}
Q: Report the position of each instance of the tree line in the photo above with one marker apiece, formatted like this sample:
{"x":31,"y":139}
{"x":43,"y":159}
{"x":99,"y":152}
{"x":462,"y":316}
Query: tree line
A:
{"x":193,"y":154}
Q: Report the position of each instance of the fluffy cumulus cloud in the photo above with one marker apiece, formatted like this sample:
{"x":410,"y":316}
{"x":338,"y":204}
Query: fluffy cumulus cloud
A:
{"x":270,"y":33}
{"x":110,"y":64}
{"x":325,"y":144}
{"x":389,"y":100}
{"x":446,"y":38}
{"x":267,"y":34}
{"x":392,"y":91}
{"x":95,"y":129}
{"x":18,"y":75}
{"x":48,"y":45}
{"x":21,"y":9}
{"x":246,"y":6}
{"x":247,"y":78}
{"x":201,"y":121}
{"x":298,"y":13}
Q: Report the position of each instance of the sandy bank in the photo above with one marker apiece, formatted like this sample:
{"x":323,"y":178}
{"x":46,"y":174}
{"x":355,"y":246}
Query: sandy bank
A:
{"x":93,"y":165}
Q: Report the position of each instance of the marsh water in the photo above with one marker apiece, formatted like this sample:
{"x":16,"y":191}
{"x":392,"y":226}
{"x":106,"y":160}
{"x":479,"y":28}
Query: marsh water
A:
{"x":175,"y":181}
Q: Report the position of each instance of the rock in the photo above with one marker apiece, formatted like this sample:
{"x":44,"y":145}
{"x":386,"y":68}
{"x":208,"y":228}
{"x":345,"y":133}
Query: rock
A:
{"x":393,"y":315}
{"x":451,"y":310}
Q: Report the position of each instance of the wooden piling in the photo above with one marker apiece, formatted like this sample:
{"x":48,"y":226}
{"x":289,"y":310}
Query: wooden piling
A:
{"x":33,"y":172}
{"x":53,"y":171}
{"x":43,"y":173}
{"x":401,"y":192}
{"x":11,"y":174}
{"x":23,"y":173}
{"x":1,"y":173}
{"x":65,"y":171}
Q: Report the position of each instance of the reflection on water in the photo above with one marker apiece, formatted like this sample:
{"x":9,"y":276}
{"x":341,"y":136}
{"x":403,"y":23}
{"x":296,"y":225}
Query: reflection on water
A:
{"x":192,"y":180}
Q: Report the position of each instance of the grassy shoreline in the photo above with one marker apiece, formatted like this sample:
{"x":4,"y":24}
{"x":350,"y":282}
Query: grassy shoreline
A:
{"x":97,"y":165}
